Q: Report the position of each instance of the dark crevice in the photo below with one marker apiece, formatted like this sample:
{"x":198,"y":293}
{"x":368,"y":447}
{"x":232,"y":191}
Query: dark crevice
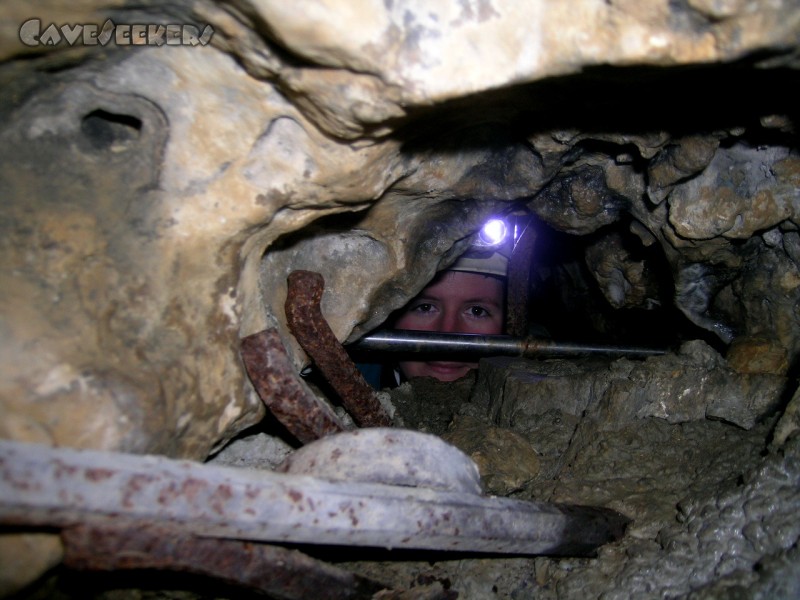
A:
{"x":105,"y":129}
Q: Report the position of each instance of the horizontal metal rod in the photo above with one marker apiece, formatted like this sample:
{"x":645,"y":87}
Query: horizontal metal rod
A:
{"x":59,"y":487}
{"x":475,"y":345}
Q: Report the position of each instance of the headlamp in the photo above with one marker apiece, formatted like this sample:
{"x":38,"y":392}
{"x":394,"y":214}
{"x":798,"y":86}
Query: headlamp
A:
{"x":492,"y":246}
{"x":498,"y":232}
{"x":493,"y":233}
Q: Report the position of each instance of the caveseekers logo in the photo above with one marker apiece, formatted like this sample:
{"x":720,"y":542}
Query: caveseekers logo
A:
{"x":32,"y":33}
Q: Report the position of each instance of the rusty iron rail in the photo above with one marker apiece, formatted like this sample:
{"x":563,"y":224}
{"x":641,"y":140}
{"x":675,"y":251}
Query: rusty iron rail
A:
{"x":476,"y":345}
{"x":519,"y":281}
{"x":307,"y":324}
{"x":61,"y":487}
{"x":282,"y":573}
{"x":275,"y":380}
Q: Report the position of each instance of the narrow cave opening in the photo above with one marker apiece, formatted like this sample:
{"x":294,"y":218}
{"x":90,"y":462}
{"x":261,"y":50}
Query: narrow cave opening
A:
{"x":584,"y":137}
{"x":567,"y":302}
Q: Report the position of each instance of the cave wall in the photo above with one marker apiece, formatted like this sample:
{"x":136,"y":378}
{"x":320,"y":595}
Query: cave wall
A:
{"x":155,"y":197}
{"x":144,"y":184}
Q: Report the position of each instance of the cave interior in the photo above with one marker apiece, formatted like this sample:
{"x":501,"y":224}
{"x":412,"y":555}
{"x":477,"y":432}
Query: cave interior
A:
{"x":157,"y":198}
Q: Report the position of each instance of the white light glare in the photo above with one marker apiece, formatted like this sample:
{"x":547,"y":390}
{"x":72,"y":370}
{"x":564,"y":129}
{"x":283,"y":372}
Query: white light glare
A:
{"x":494,"y":232}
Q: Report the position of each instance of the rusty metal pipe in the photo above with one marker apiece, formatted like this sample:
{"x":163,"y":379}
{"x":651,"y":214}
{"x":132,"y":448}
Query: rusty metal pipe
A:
{"x":476,"y":345}
{"x":62,"y":487}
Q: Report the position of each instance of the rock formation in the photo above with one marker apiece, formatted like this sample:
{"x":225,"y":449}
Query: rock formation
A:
{"x":160,"y":181}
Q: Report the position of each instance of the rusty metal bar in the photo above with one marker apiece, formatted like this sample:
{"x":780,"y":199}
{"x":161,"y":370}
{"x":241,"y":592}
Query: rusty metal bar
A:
{"x":273,"y":376}
{"x":519,"y":280}
{"x":307,"y":324}
{"x":476,"y":345}
{"x":60,"y":487}
{"x":281,"y":573}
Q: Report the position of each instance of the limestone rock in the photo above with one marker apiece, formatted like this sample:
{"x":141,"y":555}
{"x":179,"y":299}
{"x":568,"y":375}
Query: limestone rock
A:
{"x":136,"y":260}
{"x":754,"y":355}
{"x":789,"y":422}
{"x":505,"y":459}
{"x":741,"y":192}
{"x":694,"y":384}
{"x":25,"y":557}
{"x":624,"y":281}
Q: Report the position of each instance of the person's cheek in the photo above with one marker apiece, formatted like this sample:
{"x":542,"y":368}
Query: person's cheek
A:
{"x":483,"y":326}
{"x":411,"y":369}
{"x":416,"y":322}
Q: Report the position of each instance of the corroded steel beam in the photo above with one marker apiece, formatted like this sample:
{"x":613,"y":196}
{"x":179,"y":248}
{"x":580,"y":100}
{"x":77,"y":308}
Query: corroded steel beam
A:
{"x":45,"y":486}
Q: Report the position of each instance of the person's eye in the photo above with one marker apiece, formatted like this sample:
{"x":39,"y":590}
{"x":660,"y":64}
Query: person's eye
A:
{"x":478,"y":312}
{"x":424,"y":307}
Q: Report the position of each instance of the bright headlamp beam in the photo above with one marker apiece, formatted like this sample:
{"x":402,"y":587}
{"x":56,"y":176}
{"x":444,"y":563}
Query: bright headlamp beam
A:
{"x":494,"y":232}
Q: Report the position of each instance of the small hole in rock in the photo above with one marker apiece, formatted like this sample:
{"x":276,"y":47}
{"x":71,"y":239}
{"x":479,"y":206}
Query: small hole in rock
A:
{"x":110,"y":131}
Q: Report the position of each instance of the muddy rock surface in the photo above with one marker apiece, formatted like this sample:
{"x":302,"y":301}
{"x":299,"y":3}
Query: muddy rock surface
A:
{"x":712,"y":507}
{"x":712,"y":504}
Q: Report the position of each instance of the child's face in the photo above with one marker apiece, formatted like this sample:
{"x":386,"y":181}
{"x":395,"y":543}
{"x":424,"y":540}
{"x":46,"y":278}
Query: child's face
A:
{"x":455,"y":302}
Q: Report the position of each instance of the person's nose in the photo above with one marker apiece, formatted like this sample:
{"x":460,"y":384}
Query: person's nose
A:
{"x":450,"y":323}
